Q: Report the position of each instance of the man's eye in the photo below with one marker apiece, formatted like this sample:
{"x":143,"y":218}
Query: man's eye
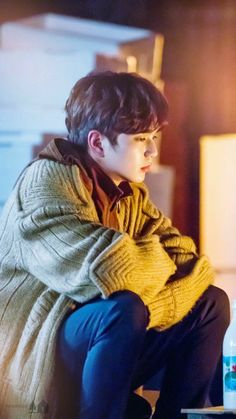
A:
{"x":141,"y":139}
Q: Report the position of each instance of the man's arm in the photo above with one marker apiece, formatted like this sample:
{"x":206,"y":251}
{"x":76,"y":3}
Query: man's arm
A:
{"x":178,"y":297}
{"x":192,"y":277}
{"x":63,"y":245}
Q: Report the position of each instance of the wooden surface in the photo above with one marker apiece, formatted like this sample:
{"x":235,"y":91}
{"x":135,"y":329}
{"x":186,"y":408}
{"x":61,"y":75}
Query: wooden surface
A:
{"x":209,"y":412}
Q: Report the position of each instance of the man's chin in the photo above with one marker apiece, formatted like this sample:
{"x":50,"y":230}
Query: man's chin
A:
{"x":134,"y":179}
{"x":137,"y":180}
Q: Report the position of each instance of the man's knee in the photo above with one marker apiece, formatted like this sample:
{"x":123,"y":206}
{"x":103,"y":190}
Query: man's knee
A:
{"x":218,"y":300}
{"x":131,"y":309}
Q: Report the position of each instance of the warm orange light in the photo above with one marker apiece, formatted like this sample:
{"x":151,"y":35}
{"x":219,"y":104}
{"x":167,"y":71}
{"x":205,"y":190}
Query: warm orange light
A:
{"x":218,"y":206}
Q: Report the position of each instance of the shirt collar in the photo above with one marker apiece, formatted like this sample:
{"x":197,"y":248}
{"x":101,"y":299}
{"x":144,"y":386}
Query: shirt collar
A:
{"x":68,"y":153}
{"x":102,"y":180}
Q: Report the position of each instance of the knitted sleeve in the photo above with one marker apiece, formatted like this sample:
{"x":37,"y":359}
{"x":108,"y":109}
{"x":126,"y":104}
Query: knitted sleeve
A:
{"x":192,"y":277}
{"x":181,"y":249}
{"x":61,"y":242}
{"x":178,"y":297}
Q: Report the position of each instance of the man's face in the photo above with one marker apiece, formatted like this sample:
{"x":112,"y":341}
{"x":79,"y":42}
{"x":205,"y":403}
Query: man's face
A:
{"x":131,"y":158}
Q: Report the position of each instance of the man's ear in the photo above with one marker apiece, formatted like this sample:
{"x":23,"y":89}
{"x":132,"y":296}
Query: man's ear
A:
{"x":95,"y":145}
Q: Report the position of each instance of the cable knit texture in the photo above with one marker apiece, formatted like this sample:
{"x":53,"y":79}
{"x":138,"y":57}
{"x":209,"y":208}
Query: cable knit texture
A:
{"x":55,"y":251}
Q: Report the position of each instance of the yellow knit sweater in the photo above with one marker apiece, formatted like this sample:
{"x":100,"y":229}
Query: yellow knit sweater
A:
{"x":54,"y":250}
{"x":74,"y":247}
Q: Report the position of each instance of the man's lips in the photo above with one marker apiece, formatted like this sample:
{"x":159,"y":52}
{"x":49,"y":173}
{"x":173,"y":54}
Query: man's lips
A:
{"x":146,"y":168}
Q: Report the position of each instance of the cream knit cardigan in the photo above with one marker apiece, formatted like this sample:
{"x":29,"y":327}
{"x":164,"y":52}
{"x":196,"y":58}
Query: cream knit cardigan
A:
{"x":53,"y":250}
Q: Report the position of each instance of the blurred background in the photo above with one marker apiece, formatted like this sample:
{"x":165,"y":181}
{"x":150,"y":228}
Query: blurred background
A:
{"x":186,"y":47}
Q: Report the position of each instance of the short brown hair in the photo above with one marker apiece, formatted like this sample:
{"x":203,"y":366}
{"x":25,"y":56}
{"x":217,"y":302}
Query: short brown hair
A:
{"x":113,"y":103}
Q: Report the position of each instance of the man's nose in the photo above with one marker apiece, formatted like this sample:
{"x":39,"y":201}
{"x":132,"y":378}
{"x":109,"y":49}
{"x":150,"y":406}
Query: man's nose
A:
{"x":152,"y":149}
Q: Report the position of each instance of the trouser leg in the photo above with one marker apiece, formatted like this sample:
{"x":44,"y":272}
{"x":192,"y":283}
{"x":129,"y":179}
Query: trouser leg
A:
{"x":191,"y":351}
{"x":98,"y":346}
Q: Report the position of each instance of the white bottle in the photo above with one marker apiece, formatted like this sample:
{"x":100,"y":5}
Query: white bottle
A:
{"x":229,"y":363}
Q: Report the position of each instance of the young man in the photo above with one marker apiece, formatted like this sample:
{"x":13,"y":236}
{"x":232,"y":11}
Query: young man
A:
{"x":98,"y":290}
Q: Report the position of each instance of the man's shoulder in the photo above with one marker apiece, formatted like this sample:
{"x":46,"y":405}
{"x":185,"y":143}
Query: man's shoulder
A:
{"x":51,"y":171}
{"x":45,"y":178}
{"x":49,"y":164}
{"x":54,"y":189}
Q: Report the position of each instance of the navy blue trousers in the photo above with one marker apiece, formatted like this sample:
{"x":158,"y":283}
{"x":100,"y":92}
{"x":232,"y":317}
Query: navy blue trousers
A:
{"x":105,"y":352}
